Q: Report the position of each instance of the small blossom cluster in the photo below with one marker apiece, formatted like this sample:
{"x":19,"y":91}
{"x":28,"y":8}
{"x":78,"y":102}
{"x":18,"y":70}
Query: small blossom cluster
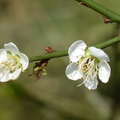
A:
{"x":87,"y":63}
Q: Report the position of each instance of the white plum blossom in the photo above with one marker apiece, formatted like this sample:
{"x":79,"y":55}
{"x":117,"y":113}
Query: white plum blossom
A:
{"x":12,"y":62}
{"x":88,"y":64}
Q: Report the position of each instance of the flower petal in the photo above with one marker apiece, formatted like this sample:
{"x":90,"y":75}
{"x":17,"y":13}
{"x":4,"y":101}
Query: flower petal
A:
{"x":91,"y":83}
{"x":4,"y":76}
{"x":72,"y":71}
{"x":11,"y":47}
{"x":99,"y":53}
{"x":104,"y":71}
{"x":76,"y":50}
{"x":14,"y":75}
{"x":3,"y":55}
{"x":24,"y":61}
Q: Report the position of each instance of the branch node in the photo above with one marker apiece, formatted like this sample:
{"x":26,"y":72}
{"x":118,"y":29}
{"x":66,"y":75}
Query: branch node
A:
{"x":84,"y":4}
{"x":107,"y":20}
{"x":38,"y":69}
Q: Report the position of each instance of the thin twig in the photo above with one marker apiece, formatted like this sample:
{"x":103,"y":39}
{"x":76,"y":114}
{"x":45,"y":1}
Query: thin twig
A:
{"x":107,"y":14}
{"x":57,"y":54}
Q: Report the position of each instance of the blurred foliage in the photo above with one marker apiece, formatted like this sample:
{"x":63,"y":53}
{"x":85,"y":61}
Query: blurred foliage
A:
{"x":31,"y":25}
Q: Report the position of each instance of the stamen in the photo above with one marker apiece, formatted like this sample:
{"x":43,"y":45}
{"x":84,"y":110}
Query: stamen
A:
{"x":88,"y":69}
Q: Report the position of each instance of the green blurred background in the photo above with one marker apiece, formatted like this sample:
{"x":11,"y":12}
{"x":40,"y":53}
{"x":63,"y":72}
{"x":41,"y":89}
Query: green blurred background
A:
{"x":33,"y":24}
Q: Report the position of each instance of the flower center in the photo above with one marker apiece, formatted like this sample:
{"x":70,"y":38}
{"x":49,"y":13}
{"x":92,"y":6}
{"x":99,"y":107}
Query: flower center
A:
{"x":11,"y":63}
{"x":88,"y":67}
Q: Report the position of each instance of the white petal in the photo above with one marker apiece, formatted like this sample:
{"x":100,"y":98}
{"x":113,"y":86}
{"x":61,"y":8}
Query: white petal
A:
{"x":3,"y":55}
{"x":99,"y":53}
{"x":72,"y":71}
{"x":4,"y":76}
{"x":24,"y":61}
{"x":104,"y":71}
{"x":91,"y":84}
{"x":15,"y":74}
{"x":76,"y":50}
{"x":11,"y":47}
